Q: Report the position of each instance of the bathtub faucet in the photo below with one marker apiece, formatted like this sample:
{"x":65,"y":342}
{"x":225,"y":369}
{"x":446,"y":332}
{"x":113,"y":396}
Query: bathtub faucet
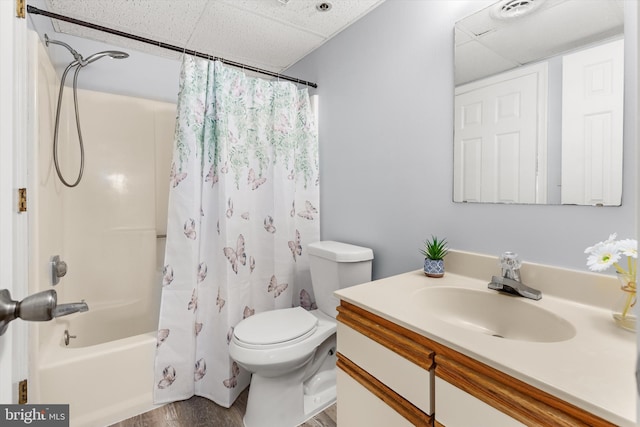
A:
{"x":74,"y":307}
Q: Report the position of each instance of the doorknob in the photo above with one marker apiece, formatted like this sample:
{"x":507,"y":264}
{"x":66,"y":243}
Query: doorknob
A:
{"x":38,"y":307}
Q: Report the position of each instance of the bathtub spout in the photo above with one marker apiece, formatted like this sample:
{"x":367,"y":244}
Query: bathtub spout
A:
{"x":75,"y":307}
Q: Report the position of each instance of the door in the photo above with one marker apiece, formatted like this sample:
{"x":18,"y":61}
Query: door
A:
{"x":498,"y":137}
{"x":592,"y":115}
{"x":13,"y":225}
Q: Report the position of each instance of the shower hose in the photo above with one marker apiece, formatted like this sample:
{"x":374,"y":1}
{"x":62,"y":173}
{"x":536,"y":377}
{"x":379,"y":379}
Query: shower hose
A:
{"x":55,"y":132}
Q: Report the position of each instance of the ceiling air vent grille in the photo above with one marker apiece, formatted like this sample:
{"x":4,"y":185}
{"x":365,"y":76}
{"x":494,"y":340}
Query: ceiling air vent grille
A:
{"x":325,"y":6}
{"x":511,"y":9}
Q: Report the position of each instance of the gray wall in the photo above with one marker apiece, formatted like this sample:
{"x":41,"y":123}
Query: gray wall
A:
{"x":386,"y":151}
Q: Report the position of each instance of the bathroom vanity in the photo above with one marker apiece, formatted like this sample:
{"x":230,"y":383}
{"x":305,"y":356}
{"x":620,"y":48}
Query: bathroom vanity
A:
{"x":449,"y":352}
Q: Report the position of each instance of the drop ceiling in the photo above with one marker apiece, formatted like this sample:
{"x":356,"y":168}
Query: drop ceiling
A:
{"x":268,"y":34}
{"x":487,"y":44}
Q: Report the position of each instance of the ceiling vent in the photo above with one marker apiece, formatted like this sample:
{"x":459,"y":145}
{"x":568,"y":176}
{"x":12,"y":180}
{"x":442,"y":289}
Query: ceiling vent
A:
{"x":325,"y":6}
{"x":512,"y":9}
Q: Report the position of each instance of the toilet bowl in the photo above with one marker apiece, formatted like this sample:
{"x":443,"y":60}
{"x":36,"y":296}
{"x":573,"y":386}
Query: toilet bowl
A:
{"x":291,"y":352}
{"x":281,"y":368}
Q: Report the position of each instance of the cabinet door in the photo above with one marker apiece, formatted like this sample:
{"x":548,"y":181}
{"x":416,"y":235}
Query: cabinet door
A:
{"x":450,"y":400}
{"x":357,"y":406}
{"x":412,"y":382}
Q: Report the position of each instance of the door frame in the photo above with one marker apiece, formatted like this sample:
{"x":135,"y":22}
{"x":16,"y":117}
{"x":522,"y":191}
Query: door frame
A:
{"x":13,"y":175}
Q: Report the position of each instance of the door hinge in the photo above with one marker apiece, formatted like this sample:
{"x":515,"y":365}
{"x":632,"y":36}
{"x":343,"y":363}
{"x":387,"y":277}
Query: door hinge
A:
{"x":22,"y":392}
{"x":22,"y":199}
{"x":20,"y":5}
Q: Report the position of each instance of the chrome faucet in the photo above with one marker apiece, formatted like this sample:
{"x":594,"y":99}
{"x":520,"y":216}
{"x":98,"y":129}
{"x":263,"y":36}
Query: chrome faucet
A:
{"x":74,"y":307}
{"x":509,"y":281}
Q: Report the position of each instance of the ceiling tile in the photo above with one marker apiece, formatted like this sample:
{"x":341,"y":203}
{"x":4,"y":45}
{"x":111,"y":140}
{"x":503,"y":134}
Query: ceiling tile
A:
{"x":251,"y":38}
{"x":163,"y":20}
{"x":262,"y":33}
{"x":304,"y":15}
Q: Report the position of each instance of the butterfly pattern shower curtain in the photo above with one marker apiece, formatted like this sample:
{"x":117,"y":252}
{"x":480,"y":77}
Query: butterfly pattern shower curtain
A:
{"x":243,"y":205}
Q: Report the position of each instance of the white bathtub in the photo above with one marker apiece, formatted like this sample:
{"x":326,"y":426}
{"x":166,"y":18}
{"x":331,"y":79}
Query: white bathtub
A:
{"x":106,"y":231}
{"x":106,"y":373}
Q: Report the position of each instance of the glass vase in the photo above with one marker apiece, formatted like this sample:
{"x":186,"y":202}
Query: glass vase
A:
{"x":623,"y":311}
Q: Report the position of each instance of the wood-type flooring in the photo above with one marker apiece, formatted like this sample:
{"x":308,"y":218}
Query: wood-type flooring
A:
{"x":200,"y":412}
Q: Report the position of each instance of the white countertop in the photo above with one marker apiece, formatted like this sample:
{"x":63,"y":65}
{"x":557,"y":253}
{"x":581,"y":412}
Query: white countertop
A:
{"x":594,"y":370}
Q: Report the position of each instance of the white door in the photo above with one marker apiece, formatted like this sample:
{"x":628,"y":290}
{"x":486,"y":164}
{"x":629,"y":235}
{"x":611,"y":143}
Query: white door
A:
{"x":13,"y":231}
{"x":499,"y":123}
{"x":592,"y":115}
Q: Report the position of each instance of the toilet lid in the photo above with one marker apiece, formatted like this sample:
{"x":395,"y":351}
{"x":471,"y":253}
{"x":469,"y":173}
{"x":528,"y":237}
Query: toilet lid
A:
{"x":277,"y":326}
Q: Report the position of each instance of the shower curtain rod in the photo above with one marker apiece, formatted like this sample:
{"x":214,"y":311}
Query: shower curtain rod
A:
{"x":36,"y":11}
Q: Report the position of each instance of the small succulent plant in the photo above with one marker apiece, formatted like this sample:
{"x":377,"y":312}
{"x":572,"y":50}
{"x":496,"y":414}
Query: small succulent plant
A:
{"x":435,"y":248}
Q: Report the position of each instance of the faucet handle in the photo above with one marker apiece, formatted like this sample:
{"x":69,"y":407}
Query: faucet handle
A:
{"x":510,"y":263}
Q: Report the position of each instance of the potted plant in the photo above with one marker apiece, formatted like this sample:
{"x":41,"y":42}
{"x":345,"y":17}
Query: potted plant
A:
{"x":434,"y":252}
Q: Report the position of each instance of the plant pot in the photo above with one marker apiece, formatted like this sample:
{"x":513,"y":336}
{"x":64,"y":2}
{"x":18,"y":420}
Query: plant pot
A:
{"x":434,"y":267}
{"x":623,"y":310}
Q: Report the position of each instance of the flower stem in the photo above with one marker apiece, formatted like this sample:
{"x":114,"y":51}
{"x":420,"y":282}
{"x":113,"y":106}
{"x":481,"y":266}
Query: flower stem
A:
{"x":619,"y":269}
{"x":627,"y":304}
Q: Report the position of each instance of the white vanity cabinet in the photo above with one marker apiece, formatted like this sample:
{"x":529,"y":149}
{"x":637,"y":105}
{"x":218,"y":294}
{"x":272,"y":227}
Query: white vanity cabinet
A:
{"x":389,"y":375}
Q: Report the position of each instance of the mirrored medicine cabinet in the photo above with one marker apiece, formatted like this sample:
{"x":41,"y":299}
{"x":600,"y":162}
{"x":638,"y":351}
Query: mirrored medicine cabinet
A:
{"x":539,"y":103}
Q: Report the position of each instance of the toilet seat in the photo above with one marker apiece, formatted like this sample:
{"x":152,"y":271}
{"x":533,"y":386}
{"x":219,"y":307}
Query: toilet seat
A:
{"x":275,"y":328}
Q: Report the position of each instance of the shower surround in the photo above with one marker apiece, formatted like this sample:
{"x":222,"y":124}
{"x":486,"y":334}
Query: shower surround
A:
{"x":106,"y":230}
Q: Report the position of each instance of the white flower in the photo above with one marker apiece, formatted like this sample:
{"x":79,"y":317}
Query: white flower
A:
{"x":628,"y":247}
{"x":606,"y":254}
{"x":611,"y":239}
{"x":602,"y":256}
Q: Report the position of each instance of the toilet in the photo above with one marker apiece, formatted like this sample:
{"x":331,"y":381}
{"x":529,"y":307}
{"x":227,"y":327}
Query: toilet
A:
{"x":291,"y":352}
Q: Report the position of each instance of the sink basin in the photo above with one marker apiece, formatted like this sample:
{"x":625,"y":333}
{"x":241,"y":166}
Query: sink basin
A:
{"x":495,"y":314}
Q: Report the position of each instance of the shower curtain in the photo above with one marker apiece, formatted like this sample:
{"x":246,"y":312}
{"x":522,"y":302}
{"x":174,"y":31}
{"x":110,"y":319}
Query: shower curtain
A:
{"x":243,"y":205}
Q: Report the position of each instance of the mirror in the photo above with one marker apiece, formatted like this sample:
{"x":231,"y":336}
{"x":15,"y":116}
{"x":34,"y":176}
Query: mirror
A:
{"x":539,"y":103}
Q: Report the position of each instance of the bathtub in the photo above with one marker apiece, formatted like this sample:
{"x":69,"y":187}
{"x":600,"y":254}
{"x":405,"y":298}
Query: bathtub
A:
{"x":105,"y":374}
{"x":106,"y":230}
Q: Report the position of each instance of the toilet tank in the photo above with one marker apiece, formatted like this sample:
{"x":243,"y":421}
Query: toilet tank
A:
{"x":334,"y":266}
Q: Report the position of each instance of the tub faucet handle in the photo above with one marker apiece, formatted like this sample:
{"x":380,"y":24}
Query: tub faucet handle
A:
{"x":58,"y":269}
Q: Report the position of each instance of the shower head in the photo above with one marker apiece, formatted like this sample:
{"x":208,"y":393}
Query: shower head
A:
{"x":114,"y":54}
{"x":79,"y":60}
